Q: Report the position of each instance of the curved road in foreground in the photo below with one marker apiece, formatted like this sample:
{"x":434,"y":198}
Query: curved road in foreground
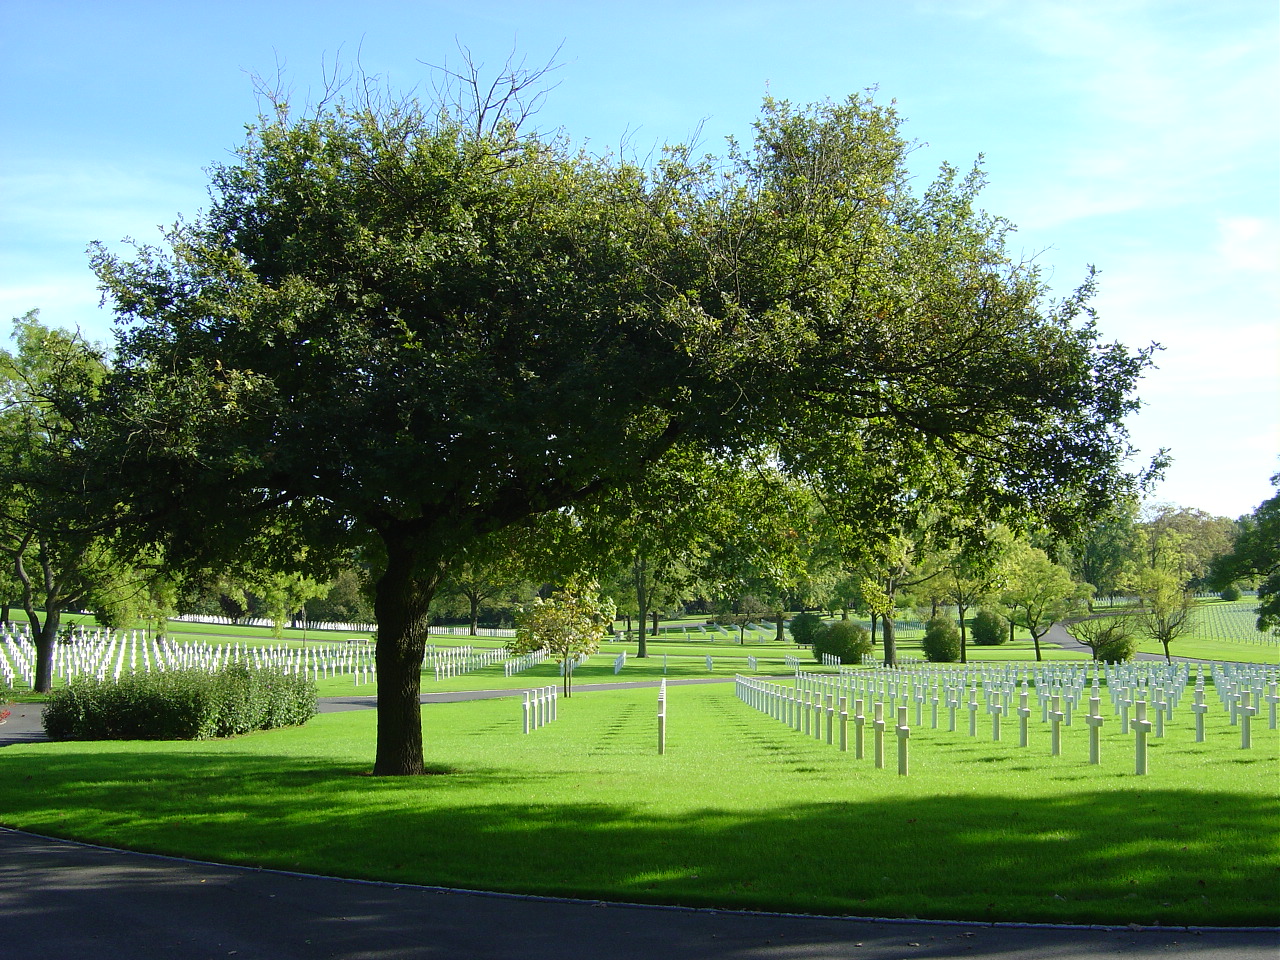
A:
{"x":67,"y":901}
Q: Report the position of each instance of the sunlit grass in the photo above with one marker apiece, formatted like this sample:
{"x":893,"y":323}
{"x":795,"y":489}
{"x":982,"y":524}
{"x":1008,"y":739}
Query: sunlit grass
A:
{"x":739,"y":812}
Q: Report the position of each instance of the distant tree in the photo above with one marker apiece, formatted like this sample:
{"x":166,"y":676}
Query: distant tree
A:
{"x":1202,"y":538}
{"x":346,"y":599}
{"x":1168,"y":604}
{"x":1108,"y":549}
{"x":53,"y":538}
{"x":972,"y":574}
{"x":804,"y":627}
{"x":1040,"y":592}
{"x":1255,"y":559}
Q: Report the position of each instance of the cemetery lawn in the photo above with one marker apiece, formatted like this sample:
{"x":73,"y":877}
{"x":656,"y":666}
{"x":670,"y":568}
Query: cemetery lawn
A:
{"x":741,"y":812}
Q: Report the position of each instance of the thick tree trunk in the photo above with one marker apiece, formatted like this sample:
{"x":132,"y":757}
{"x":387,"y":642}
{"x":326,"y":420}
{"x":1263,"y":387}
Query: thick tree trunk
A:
{"x":400,"y":603}
{"x":874,"y":621}
{"x":475,"y":616}
{"x":780,"y":636}
{"x":654,"y":614}
{"x":46,"y":638}
{"x":890,"y":643}
{"x":964,"y":637}
{"x":639,"y":572}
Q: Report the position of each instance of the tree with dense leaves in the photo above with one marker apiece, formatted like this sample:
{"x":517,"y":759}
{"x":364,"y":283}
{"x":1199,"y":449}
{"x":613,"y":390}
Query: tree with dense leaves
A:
{"x":401,"y":328}
{"x":1164,"y":591}
{"x":1110,"y":547}
{"x":1038,"y":592}
{"x":567,"y":625}
{"x":1255,"y":559}
{"x":54,"y":542}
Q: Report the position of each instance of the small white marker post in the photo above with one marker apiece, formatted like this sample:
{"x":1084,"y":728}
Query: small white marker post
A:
{"x":553,"y":694}
{"x":904,"y":734}
{"x":662,"y":717}
{"x":1095,"y":720}
{"x":1161,"y":705}
{"x":831,"y":720}
{"x":1199,"y":708}
{"x":973,"y":711}
{"x":1247,"y":711}
{"x":859,"y":736}
{"x":526,"y":711}
{"x":844,"y":724}
{"x":1055,"y":726}
{"x":878,"y":725}
{"x":1024,"y":714}
{"x":997,"y":708}
{"x":1272,"y":699}
{"x":953,"y":702}
{"x":807,"y":708}
{"x":1141,"y":727}
{"x":1124,"y":702}
{"x":933,"y":709}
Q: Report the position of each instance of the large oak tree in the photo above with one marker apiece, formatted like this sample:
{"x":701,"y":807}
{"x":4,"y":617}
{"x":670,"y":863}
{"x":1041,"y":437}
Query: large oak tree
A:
{"x":404,"y":327}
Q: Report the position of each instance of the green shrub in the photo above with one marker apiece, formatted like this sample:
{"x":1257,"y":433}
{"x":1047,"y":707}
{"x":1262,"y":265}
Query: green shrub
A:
{"x":989,"y":629}
{"x":805,"y":626}
{"x":1231,"y":594}
{"x":941,"y":641}
{"x":845,"y":639}
{"x":179,"y":705}
{"x":1118,"y":649}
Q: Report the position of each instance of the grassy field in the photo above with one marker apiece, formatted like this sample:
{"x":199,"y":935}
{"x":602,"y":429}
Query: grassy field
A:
{"x":740,"y":812}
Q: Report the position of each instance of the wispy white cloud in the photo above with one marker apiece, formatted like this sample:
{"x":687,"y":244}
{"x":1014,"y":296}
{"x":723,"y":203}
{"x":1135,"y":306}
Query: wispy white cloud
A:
{"x":1168,"y":101}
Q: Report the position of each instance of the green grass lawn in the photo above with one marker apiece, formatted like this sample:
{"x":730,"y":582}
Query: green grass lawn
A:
{"x":740,"y":812}
{"x":1221,"y":630}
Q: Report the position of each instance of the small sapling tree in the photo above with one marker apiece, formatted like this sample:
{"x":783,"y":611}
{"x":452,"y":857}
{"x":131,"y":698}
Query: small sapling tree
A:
{"x":1110,"y":638}
{"x":567,"y":625}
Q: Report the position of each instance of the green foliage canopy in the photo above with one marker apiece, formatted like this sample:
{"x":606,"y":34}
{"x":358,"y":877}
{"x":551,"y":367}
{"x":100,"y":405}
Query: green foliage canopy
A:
{"x":400,"y":329}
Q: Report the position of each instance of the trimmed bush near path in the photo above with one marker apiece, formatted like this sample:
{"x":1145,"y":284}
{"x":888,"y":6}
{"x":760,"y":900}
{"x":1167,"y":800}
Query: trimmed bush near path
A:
{"x":179,"y":705}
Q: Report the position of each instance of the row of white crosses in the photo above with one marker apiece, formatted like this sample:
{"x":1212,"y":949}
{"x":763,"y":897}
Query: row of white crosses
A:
{"x":523,"y":662}
{"x":104,"y":654}
{"x":818,"y":711}
{"x":447,"y":662}
{"x":573,"y":663}
{"x":1060,"y":689}
{"x":539,"y":707}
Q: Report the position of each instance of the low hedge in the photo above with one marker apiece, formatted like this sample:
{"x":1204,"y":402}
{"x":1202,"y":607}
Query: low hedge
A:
{"x":179,"y":705}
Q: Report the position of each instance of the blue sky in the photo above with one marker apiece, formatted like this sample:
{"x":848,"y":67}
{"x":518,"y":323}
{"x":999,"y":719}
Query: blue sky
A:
{"x":1142,"y":137}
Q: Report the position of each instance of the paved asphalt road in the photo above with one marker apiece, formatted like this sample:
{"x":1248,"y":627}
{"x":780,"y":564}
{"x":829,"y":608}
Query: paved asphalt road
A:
{"x":69,"y":901}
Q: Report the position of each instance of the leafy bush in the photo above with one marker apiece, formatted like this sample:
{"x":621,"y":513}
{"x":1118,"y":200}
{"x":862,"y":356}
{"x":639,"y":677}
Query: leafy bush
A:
{"x":1118,"y":649}
{"x":1231,"y":593}
{"x":989,"y":629}
{"x":845,"y":639}
{"x":941,"y":641}
{"x":805,"y":626}
{"x":179,"y":705}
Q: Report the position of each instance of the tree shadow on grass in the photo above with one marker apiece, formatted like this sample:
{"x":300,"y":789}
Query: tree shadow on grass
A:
{"x":1104,"y":856}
